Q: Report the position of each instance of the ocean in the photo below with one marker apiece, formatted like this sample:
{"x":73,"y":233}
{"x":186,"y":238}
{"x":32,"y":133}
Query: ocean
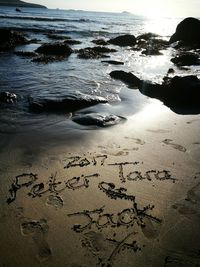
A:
{"x":74,"y":75}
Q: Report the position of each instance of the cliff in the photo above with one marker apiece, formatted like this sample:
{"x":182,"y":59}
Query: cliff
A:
{"x":18,"y":3}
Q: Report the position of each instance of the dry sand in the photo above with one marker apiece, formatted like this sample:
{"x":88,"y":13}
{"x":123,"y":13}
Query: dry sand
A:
{"x":124,"y":196}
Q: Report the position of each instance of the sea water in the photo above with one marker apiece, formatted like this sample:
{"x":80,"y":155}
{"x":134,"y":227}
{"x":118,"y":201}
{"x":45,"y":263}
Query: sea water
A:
{"x":74,"y":75}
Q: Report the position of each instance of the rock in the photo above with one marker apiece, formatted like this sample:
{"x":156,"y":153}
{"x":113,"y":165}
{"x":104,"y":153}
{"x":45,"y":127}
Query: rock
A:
{"x":9,"y":39}
{"x":25,"y":53}
{"x":57,"y":36}
{"x":187,"y":31}
{"x":100,"y":42}
{"x":150,"y":43}
{"x":147,"y":36}
{"x":18,"y":10}
{"x":181,"y":94}
{"x":151,"y":51}
{"x":186,"y":59}
{"x":72,"y":42}
{"x":94,"y":52}
{"x":126,"y":77}
{"x":113,"y":62}
{"x":47,"y":58}
{"x":96,"y":119}
{"x":123,"y":40}
{"x":7,"y":97}
{"x":67,"y":104}
{"x":56,"y":48}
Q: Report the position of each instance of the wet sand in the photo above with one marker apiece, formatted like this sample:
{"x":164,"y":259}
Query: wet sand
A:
{"x":124,"y":196}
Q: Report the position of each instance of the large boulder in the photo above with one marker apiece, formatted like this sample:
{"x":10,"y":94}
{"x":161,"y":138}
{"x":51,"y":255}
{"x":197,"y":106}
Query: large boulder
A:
{"x":9,"y":39}
{"x":187,"y":31}
{"x":123,"y":40}
{"x":68,"y":104}
{"x":181,"y":94}
{"x":57,"y":48}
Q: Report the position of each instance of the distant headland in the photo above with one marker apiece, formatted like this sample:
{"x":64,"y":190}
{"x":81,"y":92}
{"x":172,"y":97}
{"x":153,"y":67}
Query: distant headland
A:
{"x":18,"y":3}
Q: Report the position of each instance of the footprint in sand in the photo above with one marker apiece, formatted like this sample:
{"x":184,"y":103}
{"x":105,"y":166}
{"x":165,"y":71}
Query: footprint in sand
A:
{"x":157,"y":131}
{"x":137,"y":140}
{"x":37,"y":230}
{"x":190,"y":206}
{"x":151,"y":230}
{"x":94,"y":242}
{"x":55,"y":201}
{"x":175,"y":146}
{"x":181,"y":260}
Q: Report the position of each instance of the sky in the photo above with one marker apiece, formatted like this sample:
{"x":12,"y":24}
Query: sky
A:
{"x":151,"y":8}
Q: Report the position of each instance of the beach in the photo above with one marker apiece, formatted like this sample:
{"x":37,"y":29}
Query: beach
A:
{"x":85,"y":195}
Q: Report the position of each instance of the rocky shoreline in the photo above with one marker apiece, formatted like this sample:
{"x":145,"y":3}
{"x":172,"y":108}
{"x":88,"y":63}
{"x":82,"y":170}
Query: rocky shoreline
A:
{"x":180,"y":94}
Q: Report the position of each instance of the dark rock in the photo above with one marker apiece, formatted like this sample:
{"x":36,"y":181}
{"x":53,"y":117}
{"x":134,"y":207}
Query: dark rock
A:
{"x":151,"y":51}
{"x":18,"y":10}
{"x":181,"y":94}
{"x":25,"y":53}
{"x":100,"y":42}
{"x":170,"y":71}
{"x":126,"y":77}
{"x":54,"y":49}
{"x":68,"y":104}
{"x":72,"y":42}
{"x":57,"y":37}
{"x":123,"y":40}
{"x":187,"y":31}
{"x":7,"y":97}
{"x":9,"y":39}
{"x":47,"y":58}
{"x":113,"y":62}
{"x":186,"y":59}
{"x":147,"y":36}
{"x":150,"y":44}
{"x":96,"y":119}
{"x":94,"y":52}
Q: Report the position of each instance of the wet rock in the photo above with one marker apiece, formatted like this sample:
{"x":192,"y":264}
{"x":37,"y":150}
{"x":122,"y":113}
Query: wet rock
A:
{"x":151,"y":51}
{"x":150,"y":44}
{"x":25,"y":53}
{"x":54,"y":36}
{"x":9,"y":39}
{"x":126,"y":77}
{"x":100,"y":42}
{"x":186,"y":59}
{"x":67,"y":104}
{"x":123,"y":40}
{"x":181,"y":94}
{"x":113,"y":62}
{"x":72,"y":42}
{"x":47,"y":58}
{"x":56,"y":48}
{"x":7,"y":97}
{"x":94,"y":52}
{"x":147,"y":36}
{"x":96,"y":119}
{"x":187,"y":31}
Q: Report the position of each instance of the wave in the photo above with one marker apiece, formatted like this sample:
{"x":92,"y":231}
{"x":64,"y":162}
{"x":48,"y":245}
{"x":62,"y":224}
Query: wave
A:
{"x":52,"y":19}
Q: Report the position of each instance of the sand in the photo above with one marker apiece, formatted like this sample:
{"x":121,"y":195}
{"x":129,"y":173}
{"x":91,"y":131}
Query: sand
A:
{"x":128,"y":195}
